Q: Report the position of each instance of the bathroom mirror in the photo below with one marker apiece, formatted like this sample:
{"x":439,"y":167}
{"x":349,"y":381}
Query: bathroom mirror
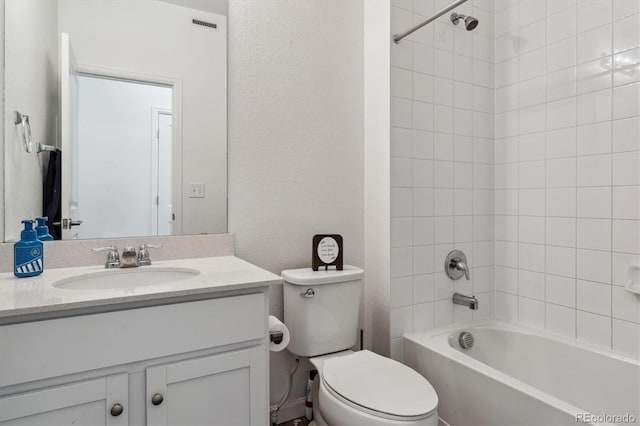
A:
{"x":123,"y":105}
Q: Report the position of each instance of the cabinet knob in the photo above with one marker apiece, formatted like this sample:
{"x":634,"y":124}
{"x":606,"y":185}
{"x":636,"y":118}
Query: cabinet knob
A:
{"x":157,"y":399}
{"x":116,"y":410}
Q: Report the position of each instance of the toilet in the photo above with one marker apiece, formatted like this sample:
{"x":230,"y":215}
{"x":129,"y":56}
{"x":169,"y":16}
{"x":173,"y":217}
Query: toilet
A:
{"x":352,"y":388}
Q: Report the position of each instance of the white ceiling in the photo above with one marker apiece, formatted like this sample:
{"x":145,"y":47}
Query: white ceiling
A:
{"x":213,"y":6}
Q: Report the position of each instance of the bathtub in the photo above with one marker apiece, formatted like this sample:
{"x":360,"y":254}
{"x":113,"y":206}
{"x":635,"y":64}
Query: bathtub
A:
{"x":517,"y":376}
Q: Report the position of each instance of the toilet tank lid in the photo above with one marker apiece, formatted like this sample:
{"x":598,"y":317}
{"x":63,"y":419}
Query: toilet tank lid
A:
{"x":307,"y":276}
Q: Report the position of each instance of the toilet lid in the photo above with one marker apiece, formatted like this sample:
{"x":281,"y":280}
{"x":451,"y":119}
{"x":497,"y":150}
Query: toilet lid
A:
{"x":380,"y":384}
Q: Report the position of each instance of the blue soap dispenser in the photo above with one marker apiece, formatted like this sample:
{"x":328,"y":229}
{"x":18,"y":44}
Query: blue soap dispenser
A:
{"x":28,"y":260}
{"x":42,"y":230}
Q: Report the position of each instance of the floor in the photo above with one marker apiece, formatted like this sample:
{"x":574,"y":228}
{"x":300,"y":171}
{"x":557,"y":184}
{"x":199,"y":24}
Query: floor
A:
{"x":302,"y":421}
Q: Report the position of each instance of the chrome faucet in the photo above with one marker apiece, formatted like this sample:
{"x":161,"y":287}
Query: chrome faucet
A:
{"x":143,"y":254}
{"x":129,"y":258}
{"x":113,"y":258}
{"x":456,"y":265}
{"x":461,"y":299}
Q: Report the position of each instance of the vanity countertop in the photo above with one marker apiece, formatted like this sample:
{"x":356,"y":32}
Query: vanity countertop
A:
{"x":38,"y":296}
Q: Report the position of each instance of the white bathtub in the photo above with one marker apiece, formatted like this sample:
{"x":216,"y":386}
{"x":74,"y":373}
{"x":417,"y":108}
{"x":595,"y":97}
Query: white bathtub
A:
{"x":516,"y":376}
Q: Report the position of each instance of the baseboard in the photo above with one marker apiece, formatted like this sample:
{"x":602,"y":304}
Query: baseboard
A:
{"x":292,"y":409}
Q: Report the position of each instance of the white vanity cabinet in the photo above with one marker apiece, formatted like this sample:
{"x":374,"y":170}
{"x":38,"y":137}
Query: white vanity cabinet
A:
{"x":93,"y":402}
{"x":180,"y":393}
{"x":201,"y":362}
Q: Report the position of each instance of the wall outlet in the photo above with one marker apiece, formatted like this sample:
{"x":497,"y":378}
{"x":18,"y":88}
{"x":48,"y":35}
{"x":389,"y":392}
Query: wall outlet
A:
{"x":196,"y":190}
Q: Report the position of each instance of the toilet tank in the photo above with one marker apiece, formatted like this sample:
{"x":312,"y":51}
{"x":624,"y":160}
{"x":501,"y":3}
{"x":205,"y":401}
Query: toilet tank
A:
{"x":321,"y":309}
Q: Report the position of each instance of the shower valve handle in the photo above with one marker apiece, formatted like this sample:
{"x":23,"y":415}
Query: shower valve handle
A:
{"x":456,"y":266}
{"x":460,"y":266}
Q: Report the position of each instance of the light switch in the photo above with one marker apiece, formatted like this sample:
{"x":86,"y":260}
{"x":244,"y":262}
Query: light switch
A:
{"x":196,"y":190}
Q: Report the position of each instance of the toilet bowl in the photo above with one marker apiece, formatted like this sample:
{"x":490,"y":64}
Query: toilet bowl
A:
{"x":363,"y":388}
{"x":321,"y":310}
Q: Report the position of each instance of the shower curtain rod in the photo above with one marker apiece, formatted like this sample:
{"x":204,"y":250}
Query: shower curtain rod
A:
{"x":398,"y":37}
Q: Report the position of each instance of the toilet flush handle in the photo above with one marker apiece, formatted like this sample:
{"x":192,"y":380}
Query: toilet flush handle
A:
{"x":308,"y":293}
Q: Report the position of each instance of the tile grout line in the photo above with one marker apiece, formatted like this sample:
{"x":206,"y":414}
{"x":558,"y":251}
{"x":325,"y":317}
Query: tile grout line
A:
{"x":545,"y":181}
{"x":575,"y":267}
{"x":517,"y":136}
{"x":612,"y":80}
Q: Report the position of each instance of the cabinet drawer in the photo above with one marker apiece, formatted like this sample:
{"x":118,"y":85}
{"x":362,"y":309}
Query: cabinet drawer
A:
{"x":39,"y":350}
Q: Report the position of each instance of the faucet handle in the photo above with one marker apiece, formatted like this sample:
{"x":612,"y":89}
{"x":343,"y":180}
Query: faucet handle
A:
{"x":144,"y":246}
{"x":456,"y":265}
{"x":461,"y":266}
{"x":98,"y":249}
{"x":113,"y":258}
{"x":143,"y":253}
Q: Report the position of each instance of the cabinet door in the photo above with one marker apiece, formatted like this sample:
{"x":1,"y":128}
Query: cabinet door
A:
{"x":225,"y":389}
{"x":84,"y":403}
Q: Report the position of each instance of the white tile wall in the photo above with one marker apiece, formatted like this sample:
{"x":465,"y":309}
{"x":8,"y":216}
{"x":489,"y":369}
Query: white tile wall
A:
{"x":442,"y":164}
{"x":518,"y":143}
{"x":567,"y":167}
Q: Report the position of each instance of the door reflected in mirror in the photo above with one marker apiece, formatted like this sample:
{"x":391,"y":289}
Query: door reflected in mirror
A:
{"x":133,"y":96}
{"x":116,"y":117}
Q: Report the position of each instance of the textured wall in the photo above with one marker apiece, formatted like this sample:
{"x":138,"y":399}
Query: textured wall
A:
{"x":32,"y":89}
{"x":2,"y":122}
{"x":377,"y":167}
{"x":295,"y":136}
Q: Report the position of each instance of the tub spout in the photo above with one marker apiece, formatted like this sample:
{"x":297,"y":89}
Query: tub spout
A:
{"x":461,"y":299}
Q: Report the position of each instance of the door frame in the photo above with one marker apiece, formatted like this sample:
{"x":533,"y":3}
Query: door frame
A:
{"x":155,"y":158}
{"x":68,"y":133}
{"x":176,"y":130}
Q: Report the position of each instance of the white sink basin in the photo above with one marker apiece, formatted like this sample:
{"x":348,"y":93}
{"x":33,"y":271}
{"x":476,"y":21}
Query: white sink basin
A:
{"x":126,"y":278}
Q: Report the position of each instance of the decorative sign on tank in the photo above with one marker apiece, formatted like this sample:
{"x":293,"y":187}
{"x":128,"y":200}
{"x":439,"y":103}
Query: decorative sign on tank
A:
{"x":327,"y":251}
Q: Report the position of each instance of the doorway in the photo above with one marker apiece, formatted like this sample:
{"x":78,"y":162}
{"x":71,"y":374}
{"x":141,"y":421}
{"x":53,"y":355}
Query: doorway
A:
{"x":124,"y":158}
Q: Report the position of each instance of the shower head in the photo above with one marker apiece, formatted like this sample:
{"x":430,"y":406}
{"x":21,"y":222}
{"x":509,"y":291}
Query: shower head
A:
{"x":470,"y":23}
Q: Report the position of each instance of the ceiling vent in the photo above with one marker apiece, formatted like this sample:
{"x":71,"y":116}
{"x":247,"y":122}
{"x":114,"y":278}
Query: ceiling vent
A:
{"x":204,"y":24}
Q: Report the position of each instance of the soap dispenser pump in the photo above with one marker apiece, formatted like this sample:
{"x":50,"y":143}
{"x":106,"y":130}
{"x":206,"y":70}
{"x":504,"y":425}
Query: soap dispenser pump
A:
{"x":28,"y":259}
{"x":42,"y":230}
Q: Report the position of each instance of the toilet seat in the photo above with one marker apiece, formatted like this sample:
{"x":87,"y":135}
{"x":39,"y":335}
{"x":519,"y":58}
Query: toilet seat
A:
{"x":379,"y":386}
